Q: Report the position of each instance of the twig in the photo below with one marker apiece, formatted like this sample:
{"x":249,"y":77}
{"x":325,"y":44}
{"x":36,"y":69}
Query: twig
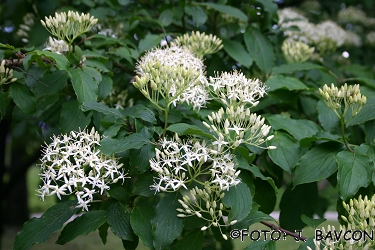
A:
{"x":274,"y":227}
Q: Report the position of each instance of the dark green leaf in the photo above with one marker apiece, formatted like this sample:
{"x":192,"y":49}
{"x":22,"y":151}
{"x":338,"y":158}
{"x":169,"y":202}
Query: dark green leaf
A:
{"x":72,"y":118}
{"x":119,"y":221}
{"x":187,"y":129}
{"x":355,"y":171}
{"x":265,"y":195}
{"x":100,"y":107}
{"x":252,"y":218}
{"x":140,"y":220}
{"x":226,"y":9}
{"x":130,"y":244}
{"x":119,"y":192}
{"x":260,"y":49}
{"x":82,"y":225}
{"x":191,"y":241}
{"x":328,"y":119}
{"x":238,"y":52}
{"x":299,"y":129}
{"x":141,"y":112}
{"x":317,"y":164}
{"x":166,"y":17}
{"x":122,"y":52}
{"x":149,"y":42}
{"x":111,"y":146}
{"x":311,"y":222}
{"x":262,"y":245}
{"x":142,"y":186}
{"x":60,"y":60}
{"x":257,"y":174}
{"x":293,"y":67}
{"x":198,"y":14}
{"x":288,"y":151}
{"x":93,"y":72}
{"x":103,"y":232}
{"x":38,"y":230}
{"x":300,"y":200}
{"x":105,"y":87}
{"x":139,"y":158}
{"x":239,"y":199}
{"x":284,"y":82}
{"x":166,"y":225}
{"x":51,"y":83}
{"x":22,"y":96}
{"x":366,"y":114}
{"x":84,"y":85}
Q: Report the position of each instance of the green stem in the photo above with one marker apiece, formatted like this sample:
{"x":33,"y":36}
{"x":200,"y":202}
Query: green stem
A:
{"x":165,"y":119}
{"x":343,"y":133}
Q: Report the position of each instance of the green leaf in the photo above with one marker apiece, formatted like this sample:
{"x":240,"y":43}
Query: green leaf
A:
{"x":84,"y":85}
{"x":288,"y":151}
{"x":262,"y":245}
{"x":119,"y":221}
{"x":367,"y":81}
{"x":62,"y":63}
{"x":142,"y":186}
{"x":284,"y":82}
{"x":252,"y":218}
{"x":166,"y":17}
{"x":311,"y":222}
{"x":260,"y":49}
{"x":122,"y":52}
{"x":72,"y":118}
{"x":198,"y":14}
{"x":38,"y":230}
{"x":82,"y":225}
{"x":103,"y":232}
{"x":257,"y":174}
{"x":139,"y":158}
{"x":166,"y":225}
{"x":239,"y":199}
{"x":23,"y":98}
{"x":100,"y":107}
{"x":293,"y":67}
{"x":238,"y":52}
{"x":226,"y":9}
{"x":299,"y":129}
{"x":264,"y":196}
{"x":140,"y":220}
{"x":51,"y":83}
{"x":141,"y":112}
{"x":187,"y":129}
{"x":327,"y":118}
{"x":300,"y":200}
{"x":355,"y":171}
{"x":317,"y":164}
{"x":105,"y":87}
{"x":94,"y":73}
{"x":366,"y":114}
{"x":190,"y":241}
{"x":149,"y":42}
{"x":119,"y":192}
{"x":111,"y":146}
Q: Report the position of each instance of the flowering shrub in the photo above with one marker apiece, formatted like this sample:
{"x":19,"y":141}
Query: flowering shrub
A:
{"x":175,"y":139}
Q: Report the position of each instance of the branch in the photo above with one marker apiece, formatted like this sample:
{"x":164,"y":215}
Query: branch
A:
{"x":274,"y":227}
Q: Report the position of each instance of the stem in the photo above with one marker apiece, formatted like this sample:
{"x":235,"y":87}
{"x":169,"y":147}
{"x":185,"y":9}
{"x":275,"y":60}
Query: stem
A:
{"x":274,"y":227}
{"x":165,"y":119}
{"x":343,"y":133}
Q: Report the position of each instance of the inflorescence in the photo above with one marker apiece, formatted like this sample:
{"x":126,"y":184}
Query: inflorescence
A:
{"x":71,"y":164}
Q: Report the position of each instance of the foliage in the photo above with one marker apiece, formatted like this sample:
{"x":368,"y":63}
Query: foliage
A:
{"x":176,"y":109}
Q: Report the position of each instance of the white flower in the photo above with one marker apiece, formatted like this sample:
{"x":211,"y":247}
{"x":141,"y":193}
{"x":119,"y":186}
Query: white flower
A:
{"x":72,"y":163}
{"x":235,"y":87}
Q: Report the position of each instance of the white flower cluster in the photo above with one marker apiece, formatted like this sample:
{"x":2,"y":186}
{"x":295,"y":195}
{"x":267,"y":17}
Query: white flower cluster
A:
{"x":68,"y":27}
{"x":175,"y":74}
{"x":370,"y":38}
{"x":57,"y":46}
{"x":234,"y":87}
{"x":355,"y":15}
{"x":71,"y":164}
{"x":237,"y":125}
{"x":179,"y":163}
{"x":326,"y":36}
